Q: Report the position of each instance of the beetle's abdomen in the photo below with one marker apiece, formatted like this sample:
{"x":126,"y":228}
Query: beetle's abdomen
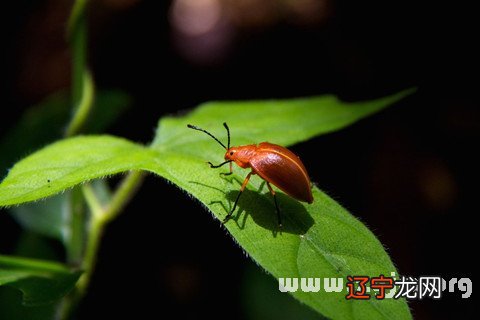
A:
{"x":282,"y":168}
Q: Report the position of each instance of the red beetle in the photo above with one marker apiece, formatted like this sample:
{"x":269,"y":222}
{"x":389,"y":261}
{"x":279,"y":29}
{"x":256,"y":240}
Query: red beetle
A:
{"x":273,"y":163}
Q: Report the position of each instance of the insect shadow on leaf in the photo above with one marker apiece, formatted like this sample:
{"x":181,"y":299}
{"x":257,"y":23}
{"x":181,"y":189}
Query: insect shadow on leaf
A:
{"x":262,"y":210}
{"x":261,"y":207}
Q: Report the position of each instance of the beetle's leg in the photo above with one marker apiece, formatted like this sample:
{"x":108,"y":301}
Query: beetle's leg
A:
{"x":276,"y":204}
{"x":244,"y":184}
{"x":228,"y":173}
{"x":219,"y":165}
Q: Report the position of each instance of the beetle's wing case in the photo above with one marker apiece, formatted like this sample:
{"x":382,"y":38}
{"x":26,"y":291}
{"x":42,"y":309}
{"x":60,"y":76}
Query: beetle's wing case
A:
{"x":282,"y":168}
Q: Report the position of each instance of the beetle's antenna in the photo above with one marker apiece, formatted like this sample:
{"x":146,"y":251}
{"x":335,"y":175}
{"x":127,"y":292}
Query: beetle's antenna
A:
{"x":228,"y":133}
{"x":211,"y":135}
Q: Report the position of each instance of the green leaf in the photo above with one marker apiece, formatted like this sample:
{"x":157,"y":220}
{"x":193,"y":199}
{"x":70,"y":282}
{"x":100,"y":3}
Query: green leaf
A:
{"x":41,"y":282}
{"x":69,"y":162}
{"x":11,"y":307}
{"x":318,"y":240}
{"x":284,"y":122}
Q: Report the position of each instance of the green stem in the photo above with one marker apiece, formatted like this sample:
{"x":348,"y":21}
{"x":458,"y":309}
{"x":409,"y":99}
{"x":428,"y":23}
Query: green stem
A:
{"x":92,"y":200}
{"x":123,"y":194}
{"x":82,"y":83}
{"x":99,"y":219}
{"x":83,"y":106}
{"x":95,"y":233}
{"x":82,"y":101}
{"x":76,"y":17}
{"x":78,"y":45}
{"x":75,"y":207}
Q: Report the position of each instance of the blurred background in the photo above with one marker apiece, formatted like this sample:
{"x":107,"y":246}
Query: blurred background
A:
{"x":408,"y":173}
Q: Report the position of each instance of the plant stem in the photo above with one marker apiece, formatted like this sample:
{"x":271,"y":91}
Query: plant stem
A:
{"x":76,"y":17}
{"x":78,"y":45}
{"x":99,"y":219}
{"x":75,"y":214}
{"x":83,"y":106}
{"x":92,"y":200}
{"x":82,"y":102}
{"x":123,"y":194}
{"x":82,"y":93}
{"x":82,"y":83}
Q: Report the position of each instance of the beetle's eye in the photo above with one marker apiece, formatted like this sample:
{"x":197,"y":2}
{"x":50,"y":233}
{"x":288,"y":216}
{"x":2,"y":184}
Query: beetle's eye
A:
{"x":231,"y":153}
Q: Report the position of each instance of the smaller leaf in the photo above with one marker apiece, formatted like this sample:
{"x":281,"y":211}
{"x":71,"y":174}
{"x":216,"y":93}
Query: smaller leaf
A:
{"x":11,"y":307}
{"x":35,"y":246}
{"x":41,"y":282}
{"x":43,"y":217}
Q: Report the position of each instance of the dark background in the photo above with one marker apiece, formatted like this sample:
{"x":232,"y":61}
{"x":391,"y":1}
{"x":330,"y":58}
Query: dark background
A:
{"x":408,"y":172}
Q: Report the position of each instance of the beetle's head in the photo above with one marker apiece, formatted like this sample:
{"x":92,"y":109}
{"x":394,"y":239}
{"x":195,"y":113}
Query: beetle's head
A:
{"x":241,"y":155}
{"x":231,"y":154}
